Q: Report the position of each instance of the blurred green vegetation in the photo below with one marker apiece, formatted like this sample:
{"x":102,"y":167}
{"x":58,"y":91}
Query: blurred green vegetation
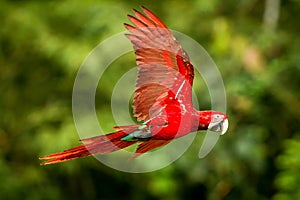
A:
{"x":43,"y":43}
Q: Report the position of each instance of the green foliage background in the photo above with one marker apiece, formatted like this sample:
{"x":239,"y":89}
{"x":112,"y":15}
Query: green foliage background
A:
{"x":43,"y":43}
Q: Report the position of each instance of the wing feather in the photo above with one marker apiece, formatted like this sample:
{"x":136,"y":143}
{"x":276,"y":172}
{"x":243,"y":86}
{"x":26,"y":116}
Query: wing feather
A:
{"x":149,"y":145}
{"x":162,"y":64}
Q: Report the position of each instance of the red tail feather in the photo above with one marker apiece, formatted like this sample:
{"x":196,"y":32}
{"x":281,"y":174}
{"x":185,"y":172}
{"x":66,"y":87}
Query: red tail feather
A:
{"x":96,"y":145}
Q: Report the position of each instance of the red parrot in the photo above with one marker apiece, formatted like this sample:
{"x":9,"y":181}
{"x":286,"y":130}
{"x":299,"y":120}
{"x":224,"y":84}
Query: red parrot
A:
{"x":162,"y":99}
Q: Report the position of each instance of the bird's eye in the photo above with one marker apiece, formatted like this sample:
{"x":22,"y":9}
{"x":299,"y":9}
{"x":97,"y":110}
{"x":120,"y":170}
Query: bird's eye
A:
{"x":217,"y":116}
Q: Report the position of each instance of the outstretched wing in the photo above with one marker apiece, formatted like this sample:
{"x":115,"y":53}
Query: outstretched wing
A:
{"x":164,"y":68}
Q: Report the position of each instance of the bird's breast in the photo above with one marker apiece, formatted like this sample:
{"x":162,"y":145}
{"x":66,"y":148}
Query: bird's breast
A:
{"x":174,"y":123}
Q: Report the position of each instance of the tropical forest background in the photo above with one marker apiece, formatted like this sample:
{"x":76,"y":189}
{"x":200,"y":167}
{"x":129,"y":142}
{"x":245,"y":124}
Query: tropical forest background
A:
{"x":256,"y":46}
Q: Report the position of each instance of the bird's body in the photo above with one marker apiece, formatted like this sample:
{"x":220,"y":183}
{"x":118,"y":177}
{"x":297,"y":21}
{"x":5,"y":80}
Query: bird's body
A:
{"x":162,"y":99}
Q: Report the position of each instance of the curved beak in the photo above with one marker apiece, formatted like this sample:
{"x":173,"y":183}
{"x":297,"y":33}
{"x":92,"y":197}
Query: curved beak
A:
{"x":220,"y":126}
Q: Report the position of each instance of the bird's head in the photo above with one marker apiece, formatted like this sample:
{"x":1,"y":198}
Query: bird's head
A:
{"x":213,"y":121}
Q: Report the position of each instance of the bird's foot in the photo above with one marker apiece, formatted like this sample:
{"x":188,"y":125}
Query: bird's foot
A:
{"x":143,"y":133}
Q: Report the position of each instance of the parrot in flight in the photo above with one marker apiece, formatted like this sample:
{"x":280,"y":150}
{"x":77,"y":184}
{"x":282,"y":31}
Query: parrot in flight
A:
{"x":162,"y":101}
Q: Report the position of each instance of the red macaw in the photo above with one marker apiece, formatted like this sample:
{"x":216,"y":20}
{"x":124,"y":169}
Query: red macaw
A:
{"x":162,"y":98}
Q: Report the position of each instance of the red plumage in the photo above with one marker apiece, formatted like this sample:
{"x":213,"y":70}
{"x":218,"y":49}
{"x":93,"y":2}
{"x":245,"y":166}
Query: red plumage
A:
{"x":162,"y":98}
